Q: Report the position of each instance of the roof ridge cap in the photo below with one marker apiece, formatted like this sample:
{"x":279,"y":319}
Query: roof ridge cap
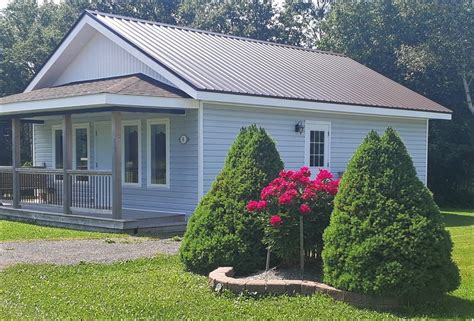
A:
{"x":123,"y":84}
{"x":213,"y":33}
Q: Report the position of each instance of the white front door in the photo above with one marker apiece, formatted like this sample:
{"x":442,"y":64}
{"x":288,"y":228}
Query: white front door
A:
{"x":103,"y":145}
{"x":317,"y":144}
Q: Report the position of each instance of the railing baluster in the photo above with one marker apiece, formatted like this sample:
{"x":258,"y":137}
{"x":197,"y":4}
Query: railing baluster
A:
{"x":89,"y":189}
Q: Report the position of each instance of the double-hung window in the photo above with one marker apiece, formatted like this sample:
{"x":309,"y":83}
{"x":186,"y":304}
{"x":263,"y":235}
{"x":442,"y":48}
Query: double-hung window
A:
{"x":158,"y":156}
{"x":131,"y":157}
{"x":80,"y":136}
{"x":57,"y":147}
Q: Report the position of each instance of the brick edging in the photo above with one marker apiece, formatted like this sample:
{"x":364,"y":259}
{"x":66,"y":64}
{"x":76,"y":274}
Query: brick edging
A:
{"x":222,"y":278}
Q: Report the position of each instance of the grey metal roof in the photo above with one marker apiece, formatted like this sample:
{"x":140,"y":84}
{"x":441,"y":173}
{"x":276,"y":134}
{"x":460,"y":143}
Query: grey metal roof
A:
{"x":220,"y":63}
{"x":138,"y":84}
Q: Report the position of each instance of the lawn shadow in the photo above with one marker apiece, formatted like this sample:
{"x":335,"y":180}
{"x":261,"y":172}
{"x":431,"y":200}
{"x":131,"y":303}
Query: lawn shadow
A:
{"x":454,"y":220}
{"x":447,"y":306}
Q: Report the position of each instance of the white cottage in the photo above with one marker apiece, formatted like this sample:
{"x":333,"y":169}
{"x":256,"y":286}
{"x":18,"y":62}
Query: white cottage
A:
{"x":133,"y":119}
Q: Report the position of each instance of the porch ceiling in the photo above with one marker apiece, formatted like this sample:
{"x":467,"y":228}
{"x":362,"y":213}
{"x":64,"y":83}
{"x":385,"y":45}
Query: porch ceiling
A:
{"x":130,"y":91}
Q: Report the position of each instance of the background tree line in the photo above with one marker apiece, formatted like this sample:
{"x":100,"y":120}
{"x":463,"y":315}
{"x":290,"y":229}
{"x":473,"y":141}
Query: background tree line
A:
{"x":425,"y":46}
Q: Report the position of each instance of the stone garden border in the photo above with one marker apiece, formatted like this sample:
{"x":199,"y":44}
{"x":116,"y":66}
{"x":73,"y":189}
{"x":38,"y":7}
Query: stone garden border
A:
{"x":222,"y":278}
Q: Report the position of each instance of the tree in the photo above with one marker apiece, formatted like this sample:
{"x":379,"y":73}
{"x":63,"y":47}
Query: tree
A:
{"x":251,"y":19}
{"x":221,"y":232}
{"x":299,"y":22}
{"x":386,"y":235}
{"x":428,"y":48}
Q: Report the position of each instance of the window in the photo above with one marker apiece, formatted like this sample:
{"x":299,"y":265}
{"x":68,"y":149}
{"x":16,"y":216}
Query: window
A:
{"x":81,"y":146}
{"x":317,"y":145}
{"x":58,"y":148}
{"x":131,"y":152}
{"x":158,"y":152}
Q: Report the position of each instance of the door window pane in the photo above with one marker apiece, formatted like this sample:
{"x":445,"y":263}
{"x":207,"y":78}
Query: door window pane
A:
{"x":82,"y":149}
{"x":58,"y":148}
{"x":316,"y":142}
{"x":158,"y":153}
{"x":131,"y":143}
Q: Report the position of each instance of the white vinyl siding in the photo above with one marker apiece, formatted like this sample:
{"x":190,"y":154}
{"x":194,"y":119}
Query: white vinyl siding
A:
{"x":222,"y":124}
{"x":181,"y":196}
{"x":102,"y":58}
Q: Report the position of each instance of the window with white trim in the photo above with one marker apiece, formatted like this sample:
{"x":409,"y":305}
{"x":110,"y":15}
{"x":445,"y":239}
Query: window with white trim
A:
{"x":81,"y":146}
{"x":316,"y":148}
{"x":57,"y":148}
{"x":158,"y":152}
{"x":131,"y":158}
{"x":317,"y":145}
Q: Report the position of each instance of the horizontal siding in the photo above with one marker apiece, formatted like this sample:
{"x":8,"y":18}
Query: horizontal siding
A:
{"x":222,"y":124}
{"x":43,"y":139}
{"x":102,"y":58}
{"x":180,"y":197}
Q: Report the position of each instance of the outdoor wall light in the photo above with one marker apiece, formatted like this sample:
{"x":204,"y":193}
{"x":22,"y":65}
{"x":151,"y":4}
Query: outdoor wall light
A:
{"x":299,"y":127}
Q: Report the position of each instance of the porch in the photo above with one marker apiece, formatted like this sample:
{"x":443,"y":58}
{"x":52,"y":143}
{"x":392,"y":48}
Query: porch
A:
{"x":88,"y":169}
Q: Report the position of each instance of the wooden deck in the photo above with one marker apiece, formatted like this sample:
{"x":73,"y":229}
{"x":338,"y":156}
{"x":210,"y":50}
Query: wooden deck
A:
{"x":133,"y":220}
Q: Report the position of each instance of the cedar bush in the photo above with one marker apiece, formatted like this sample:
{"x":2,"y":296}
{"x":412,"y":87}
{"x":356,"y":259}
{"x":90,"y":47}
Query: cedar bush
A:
{"x":385,"y":236}
{"x":220,"y":232}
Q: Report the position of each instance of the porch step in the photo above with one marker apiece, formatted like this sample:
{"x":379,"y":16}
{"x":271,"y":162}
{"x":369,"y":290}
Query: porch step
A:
{"x":172,"y":222}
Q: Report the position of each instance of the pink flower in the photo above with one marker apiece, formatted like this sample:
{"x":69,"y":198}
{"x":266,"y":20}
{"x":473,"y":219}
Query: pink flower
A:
{"x":252,"y":206}
{"x":287,"y":197}
{"x":308,"y":194}
{"x":261,"y":205}
{"x":333,"y":187}
{"x":324,"y":175}
{"x":305,"y":171}
{"x":304,"y":209}
{"x":301,"y":177}
{"x":267,"y":192}
{"x":275,"y":220}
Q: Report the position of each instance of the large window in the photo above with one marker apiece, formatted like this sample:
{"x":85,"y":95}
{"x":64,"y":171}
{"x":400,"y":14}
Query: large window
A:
{"x":81,"y":147}
{"x":317,"y":145}
{"x":131,"y":152}
{"x":57,"y":148}
{"x":158,"y":152}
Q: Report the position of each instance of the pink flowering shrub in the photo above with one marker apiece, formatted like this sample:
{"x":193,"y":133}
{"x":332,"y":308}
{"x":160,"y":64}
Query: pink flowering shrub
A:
{"x":291,"y":195}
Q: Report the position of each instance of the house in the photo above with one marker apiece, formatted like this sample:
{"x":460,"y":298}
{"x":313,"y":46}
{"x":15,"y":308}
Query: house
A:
{"x":133,"y":119}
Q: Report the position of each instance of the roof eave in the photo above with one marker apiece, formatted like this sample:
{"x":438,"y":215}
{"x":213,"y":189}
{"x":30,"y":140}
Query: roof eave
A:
{"x":96,"y":100}
{"x":327,"y":107}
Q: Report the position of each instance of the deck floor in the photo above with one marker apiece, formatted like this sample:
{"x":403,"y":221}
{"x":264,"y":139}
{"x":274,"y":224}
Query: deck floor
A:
{"x":132,"y":219}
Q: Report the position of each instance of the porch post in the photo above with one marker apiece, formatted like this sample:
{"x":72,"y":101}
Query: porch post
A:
{"x":16,"y":161}
{"x":67,"y":163}
{"x":116,"y":164}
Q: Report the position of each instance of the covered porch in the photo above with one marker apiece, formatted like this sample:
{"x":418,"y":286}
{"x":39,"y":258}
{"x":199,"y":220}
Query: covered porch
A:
{"x":101,"y":155}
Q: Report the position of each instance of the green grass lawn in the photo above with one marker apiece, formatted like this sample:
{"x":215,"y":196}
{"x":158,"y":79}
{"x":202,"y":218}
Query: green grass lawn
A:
{"x":15,"y":231}
{"x":158,"y":288}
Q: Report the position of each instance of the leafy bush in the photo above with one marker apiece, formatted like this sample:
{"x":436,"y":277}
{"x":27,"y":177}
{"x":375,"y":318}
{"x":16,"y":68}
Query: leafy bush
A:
{"x":220,"y":232}
{"x":284,"y":200}
{"x":386,"y":236}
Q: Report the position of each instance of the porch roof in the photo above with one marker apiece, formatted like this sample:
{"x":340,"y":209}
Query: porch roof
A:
{"x":137,"y":85}
{"x":133,"y":93}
